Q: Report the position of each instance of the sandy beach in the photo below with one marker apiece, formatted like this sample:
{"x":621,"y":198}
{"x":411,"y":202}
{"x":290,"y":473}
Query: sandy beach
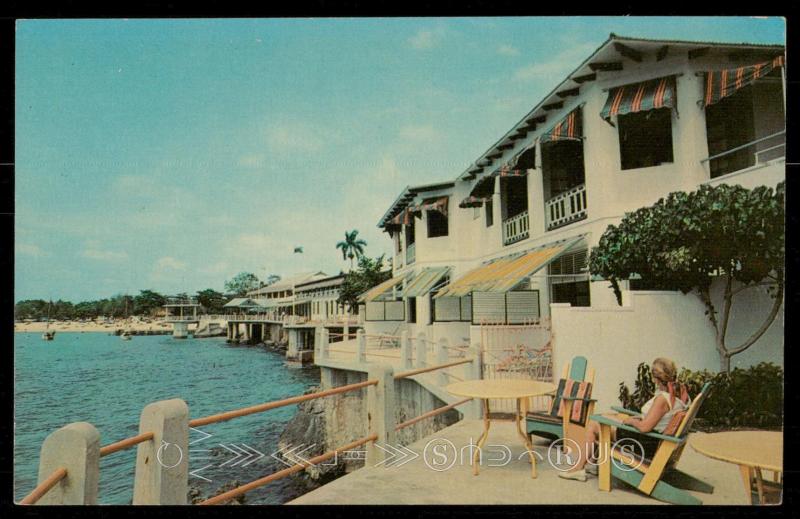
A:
{"x":91,"y":326}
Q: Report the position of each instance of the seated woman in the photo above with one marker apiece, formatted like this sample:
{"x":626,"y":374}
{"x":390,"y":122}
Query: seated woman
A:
{"x":656,"y":415}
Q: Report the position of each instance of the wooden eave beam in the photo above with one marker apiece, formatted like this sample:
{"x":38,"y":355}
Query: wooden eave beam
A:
{"x":628,"y":52}
{"x":584,"y":78}
{"x":569,"y":93}
{"x":606,"y":66}
{"x":697,"y":53}
{"x":662,"y":53}
{"x":553,"y":106}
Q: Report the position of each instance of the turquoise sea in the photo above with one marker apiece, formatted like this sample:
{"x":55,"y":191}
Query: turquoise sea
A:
{"x":101,"y":379}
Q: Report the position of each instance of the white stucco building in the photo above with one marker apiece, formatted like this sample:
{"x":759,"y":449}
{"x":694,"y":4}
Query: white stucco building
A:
{"x":510,"y":236}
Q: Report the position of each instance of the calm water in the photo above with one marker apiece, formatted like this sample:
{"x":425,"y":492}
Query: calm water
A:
{"x":97,"y":378}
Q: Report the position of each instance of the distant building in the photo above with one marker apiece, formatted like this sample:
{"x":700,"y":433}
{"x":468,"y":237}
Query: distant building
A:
{"x":318,"y":300}
{"x":280,"y":295}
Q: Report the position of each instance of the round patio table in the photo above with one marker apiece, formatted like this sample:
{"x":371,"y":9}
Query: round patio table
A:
{"x":752,"y":451}
{"x":520,"y":390}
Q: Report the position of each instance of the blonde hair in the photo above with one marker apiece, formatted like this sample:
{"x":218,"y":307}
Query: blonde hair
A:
{"x":664,"y":371}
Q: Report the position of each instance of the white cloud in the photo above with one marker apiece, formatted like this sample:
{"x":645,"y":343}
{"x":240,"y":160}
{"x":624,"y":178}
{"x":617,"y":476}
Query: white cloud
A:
{"x":507,"y":50}
{"x":414,"y":132}
{"x":168,"y":262}
{"x":95,"y":252}
{"x":427,"y":38}
{"x":29,"y":249}
{"x":556,"y":67}
{"x":293,"y":137}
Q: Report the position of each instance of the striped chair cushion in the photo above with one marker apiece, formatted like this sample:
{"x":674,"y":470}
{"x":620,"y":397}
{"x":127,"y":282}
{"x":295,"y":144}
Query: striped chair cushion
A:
{"x":545,"y":417}
{"x":574,"y":389}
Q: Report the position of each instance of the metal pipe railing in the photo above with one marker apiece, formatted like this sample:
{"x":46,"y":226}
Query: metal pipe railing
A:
{"x":743,"y":146}
{"x":430,"y":414}
{"x":229,"y":415}
{"x":405,"y":374}
{"x":44,"y":487}
{"x":125,"y":444}
{"x":227,"y":496}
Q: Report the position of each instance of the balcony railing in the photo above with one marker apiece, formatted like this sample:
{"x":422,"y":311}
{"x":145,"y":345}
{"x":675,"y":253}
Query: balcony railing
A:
{"x":411,"y":251}
{"x":516,"y":228}
{"x":772,"y":147}
{"x":568,"y":207}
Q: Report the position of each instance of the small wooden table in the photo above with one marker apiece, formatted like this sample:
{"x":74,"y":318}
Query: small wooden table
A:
{"x":520,"y":390}
{"x":752,"y":451}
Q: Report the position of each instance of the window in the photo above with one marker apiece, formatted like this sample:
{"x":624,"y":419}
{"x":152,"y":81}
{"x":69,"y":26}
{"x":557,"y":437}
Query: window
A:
{"x":410,"y":233}
{"x":489,"y":213}
{"x":437,"y":224}
{"x":645,"y":138}
{"x":569,"y":282}
{"x":514,"y":193}
{"x":412,"y":309}
{"x":754,"y":112}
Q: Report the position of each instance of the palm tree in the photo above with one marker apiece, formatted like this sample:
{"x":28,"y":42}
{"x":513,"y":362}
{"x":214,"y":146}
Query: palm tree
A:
{"x":352,"y":246}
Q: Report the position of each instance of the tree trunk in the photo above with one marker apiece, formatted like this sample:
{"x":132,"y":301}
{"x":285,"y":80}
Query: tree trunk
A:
{"x":724,"y":363}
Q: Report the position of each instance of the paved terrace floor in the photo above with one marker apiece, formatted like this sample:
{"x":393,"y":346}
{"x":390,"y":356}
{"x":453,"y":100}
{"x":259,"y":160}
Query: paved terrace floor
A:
{"x":414,"y":482}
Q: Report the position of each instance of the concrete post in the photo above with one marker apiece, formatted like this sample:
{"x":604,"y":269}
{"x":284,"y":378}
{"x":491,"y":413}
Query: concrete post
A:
{"x":442,"y":356}
{"x":380,"y":413}
{"x":317,"y":341}
{"x":76,"y":447}
{"x":405,"y":350}
{"x":422,"y":350}
{"x":162,"y":464}
{"x":323,"y":344}
{"x":361,"y":344}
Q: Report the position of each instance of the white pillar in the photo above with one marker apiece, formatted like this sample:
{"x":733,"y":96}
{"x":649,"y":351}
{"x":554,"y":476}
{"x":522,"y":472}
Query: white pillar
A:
{"x":361,"y":344}
{"x":441,"y":358}
{"x":324,"y":343}
{"x":380,"y":413}
{"x":75,"y":447}
{"x":405,"y":350}
{"x":476,"y":368}
{"x":162,"y":464}
{"x":422,"y":350}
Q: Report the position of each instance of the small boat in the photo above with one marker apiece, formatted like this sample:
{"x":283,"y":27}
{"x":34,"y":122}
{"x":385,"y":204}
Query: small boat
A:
{"x":48,"y":335}
{"x":125,"y":336}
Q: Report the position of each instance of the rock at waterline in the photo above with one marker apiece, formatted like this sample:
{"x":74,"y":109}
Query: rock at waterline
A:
{"x":195,"y":496}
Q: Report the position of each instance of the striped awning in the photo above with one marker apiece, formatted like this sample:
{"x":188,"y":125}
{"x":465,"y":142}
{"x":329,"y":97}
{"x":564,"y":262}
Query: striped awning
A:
{"x":432,"y":204}
{"x":503,"y":274}
{"x":640,"y":97}
{"x":378,"y":290}
{"x":507,"y":171}
{"x":723,"y":83}
{"x":423,"y":282}
{"x":402,"y":218}
{"x":568,"y":128}
{"x":482,"y":192}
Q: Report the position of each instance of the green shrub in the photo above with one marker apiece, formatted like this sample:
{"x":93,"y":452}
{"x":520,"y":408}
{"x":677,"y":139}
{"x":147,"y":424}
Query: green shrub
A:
{"x":751,"y":397}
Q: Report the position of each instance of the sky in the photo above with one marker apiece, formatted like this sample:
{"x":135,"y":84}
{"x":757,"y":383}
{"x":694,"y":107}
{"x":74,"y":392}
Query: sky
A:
{"x":173,"y":154}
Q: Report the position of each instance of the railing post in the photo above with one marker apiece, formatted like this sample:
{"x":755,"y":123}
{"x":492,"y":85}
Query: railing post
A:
{"x":324,"y":343}
{"x":476,"y":373}
{"x":380,"y":413}
{"x":422,"y":350}
{"x":361,"y":343}
{"x":405,"y":350}
{"x":441,"y":358}
{"x":162,"y":464}
{"x":75,"y":447}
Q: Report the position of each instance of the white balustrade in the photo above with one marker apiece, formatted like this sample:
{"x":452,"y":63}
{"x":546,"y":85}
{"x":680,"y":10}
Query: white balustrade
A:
{"x":566,"y":207}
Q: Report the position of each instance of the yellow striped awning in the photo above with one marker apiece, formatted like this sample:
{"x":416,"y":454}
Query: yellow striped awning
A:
{"x":425,"y":281}
{"x":503,"y":274}
{"x":378,"y":290}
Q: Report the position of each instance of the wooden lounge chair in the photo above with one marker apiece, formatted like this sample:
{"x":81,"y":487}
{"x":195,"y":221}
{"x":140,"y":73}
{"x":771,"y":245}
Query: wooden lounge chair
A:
{"x":656,"y":477}
{"x":570,"y":406}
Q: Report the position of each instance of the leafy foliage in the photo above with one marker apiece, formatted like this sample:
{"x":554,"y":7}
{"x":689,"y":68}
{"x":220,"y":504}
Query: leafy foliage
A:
{"x":751,"y":397}
{"x":211,"y":300}
{"x":147,"y":302}
{"x":242,"y":283}
{"x":352,"y":247}
{"x":369,"y":274}
{"x":685,"y":240}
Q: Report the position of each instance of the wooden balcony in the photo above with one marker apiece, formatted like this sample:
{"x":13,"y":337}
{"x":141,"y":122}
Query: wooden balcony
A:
{"x":565,"y":208}
{"x":516,"y":228}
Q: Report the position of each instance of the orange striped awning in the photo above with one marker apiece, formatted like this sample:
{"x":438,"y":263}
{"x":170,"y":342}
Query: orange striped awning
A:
{"x":503,"y":274}
{"x":378,"y":290}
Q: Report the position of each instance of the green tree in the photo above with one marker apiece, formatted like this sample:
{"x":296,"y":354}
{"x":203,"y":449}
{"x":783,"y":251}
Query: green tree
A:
{"x":369,"y":274}
{"x":148,"y":302}
{"x":211,"y":300}
{"x":352,"y":246}
{"x":242,"y":283}
{"x":687,"y":240}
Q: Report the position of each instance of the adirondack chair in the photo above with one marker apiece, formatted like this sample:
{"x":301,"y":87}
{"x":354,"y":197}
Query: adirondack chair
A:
{"x":656,"y":477}
{"x":567,"y":421}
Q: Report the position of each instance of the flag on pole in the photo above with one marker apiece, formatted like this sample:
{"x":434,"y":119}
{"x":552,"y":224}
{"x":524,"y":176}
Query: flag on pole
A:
{"x":298,"y":249}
